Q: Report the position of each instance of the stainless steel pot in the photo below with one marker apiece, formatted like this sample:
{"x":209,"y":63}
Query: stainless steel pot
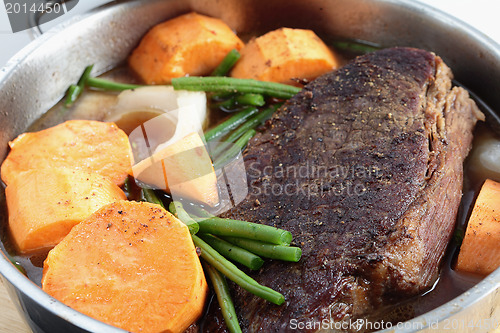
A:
{"x":36,"y":78}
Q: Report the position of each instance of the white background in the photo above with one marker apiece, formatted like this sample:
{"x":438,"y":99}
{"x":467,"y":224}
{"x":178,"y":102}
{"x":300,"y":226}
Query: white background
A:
{"x":481,"y":14}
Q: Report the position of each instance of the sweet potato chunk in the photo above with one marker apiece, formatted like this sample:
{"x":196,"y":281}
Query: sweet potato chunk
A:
{"x":284,"y":55}
{"x":44,"y":204}
{"x":132,"y":265}
{"x":88,"y":145}
{"x":480,"y":251}
{"x":190,"y":44}
{"x":183,"y":168}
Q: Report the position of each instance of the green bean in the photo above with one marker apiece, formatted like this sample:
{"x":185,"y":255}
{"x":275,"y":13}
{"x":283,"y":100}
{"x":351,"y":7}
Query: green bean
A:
{"x":17,"y":265}
{"x":149,"y":195}
{"x":250,"y":99}
{"x":104,"y":84}
{"x":198,"y":211}
{"x":176,"y":208}
{"x":233,"y":150}
{"x":74,"y":91}
{"x":355,"y":47}
{"x":220,"y":84}
{"x":227,"y":105}
{"x":253,"y":122}
{"x":233,"y":252}
{"x":85,"y":76}
{"x":221,"y":264}
{"x":220,"y":96}
{"x":224,"y":298}
{"x":241,"y":100}
{"x":266,"y":250}
{"x":127,"y":187}
{"x":72,"y":95}
{"x":235,"y":274}
{"x":236,"y":228}
{"x":227,"y":63}
{"x":230,"y":124}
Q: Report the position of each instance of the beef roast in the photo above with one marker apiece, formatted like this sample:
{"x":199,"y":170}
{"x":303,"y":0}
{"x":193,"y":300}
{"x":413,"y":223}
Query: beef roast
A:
{"x":364,"y":167}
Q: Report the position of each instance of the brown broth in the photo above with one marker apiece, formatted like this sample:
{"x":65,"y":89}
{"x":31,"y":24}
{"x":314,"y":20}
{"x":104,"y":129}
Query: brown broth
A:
{"x":98,"y":106}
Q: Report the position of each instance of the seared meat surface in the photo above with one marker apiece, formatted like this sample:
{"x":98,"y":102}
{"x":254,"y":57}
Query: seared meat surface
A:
{"x":364,"y":167}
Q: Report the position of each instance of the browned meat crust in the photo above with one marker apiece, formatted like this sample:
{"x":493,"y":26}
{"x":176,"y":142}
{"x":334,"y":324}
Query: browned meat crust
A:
{"x":364,"y":167}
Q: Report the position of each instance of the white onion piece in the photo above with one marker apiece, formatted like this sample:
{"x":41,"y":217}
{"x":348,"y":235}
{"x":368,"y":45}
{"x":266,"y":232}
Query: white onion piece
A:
{"x":488,"y":154}
{"x":178,"y":113}
{"x":150,"y":97}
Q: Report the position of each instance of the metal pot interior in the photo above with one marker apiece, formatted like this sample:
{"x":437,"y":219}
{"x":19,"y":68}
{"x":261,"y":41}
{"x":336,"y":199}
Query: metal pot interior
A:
{"x":38,"y":76}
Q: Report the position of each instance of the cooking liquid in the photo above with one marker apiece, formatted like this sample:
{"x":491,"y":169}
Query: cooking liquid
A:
{"x":98,"y":106}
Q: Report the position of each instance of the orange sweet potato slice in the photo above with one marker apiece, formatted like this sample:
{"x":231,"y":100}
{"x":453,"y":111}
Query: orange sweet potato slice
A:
{"x":284,"y":55}
{"x":132,"y":265}
{"x":480,"y":250}
{"x":44,"y":204}
{"x":87,"y":145}
{"x":191,"y":44}
{"x":182,"y":168}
